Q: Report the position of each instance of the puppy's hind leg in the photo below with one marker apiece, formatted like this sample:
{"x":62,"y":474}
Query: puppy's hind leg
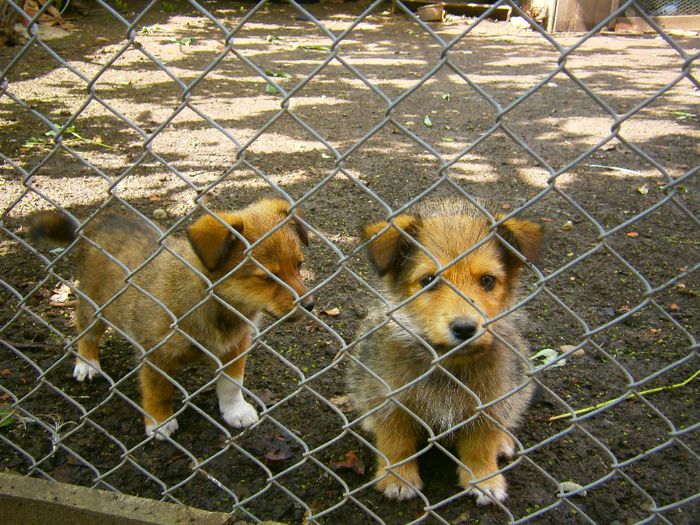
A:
{"x":87,"y":363}
{"x":236,"y":411}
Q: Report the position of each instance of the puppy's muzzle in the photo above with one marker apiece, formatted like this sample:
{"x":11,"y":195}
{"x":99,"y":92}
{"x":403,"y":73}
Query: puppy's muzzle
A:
{"x":463,"y":328}
{"x":308,"y":303}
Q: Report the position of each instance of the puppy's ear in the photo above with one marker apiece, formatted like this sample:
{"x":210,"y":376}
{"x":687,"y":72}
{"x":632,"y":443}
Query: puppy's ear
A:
{"x":301,"y":230}
{"x":387,"y":251}
{"x":212,"y":241}
{"x":282,"y":206}
{"x":523,"y":235}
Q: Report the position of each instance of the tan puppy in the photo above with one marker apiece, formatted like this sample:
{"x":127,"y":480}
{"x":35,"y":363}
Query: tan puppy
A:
{"x":486,"y":362}
{"x":165,"y":306}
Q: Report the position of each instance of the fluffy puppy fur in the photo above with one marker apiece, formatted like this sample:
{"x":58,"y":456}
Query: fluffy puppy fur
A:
{"x":165,"y":307}
{"x":446,"y":247}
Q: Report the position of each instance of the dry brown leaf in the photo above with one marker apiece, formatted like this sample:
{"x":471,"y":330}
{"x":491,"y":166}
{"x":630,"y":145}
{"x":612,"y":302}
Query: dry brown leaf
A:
{"x":343,"y":403}
{"x":332,"y":312}
{"x":351,"y":462}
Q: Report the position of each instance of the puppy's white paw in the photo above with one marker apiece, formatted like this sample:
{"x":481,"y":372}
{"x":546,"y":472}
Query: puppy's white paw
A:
{"x":85,"y":369}
{"x":506,"y":449}
{"x":487,"y":495}
{"x":400,"y":491}
{"x":162,"y":432}
{"x":394,"y":487}
{"x":239,"y":414}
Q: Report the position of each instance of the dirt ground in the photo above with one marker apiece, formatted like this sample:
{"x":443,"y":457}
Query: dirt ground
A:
{"x":629,"y":297}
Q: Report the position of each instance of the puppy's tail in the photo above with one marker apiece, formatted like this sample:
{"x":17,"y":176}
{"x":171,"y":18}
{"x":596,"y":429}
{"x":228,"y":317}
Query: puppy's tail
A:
{"x":53,"y":226}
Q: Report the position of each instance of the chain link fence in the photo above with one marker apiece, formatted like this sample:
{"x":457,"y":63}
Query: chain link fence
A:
{"x":353,"y":113}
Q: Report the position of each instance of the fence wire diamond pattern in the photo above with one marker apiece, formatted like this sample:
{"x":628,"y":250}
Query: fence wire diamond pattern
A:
{"x":167,"y":111}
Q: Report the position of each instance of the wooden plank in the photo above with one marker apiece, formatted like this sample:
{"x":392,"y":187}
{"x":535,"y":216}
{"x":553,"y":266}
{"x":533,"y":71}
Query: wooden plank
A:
{"x":637,"y":24}
{"x":463,"y":7}
{"x":581,"y":15}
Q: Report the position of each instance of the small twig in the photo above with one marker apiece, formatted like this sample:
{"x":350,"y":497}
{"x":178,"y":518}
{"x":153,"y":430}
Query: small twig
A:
{"x":611,"y":401}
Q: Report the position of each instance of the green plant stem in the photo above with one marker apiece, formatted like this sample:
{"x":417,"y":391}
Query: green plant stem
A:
{"x":631,"y":394}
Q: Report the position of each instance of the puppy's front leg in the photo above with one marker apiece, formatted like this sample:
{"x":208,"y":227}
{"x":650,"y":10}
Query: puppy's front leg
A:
{"x":236,"y":411}
{"x":157,"y":400}
{"x":479,"y":449}
{"x":396,"y":441}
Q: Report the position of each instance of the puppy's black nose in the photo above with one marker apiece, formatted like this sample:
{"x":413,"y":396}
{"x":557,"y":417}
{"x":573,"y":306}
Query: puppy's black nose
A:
{"x":463,"y":328}
{"x":308,"y":304}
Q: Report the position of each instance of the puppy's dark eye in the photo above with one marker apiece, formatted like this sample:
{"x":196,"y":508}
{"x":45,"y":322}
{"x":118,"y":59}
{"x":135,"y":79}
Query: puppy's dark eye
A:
{"x":425,"y":281}
{"x":487,"y":282}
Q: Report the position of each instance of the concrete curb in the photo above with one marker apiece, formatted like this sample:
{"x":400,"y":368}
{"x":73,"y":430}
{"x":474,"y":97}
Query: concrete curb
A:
{"x":30,"y":501}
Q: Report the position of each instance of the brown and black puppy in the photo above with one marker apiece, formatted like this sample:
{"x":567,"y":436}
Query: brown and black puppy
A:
{"x":158,"y":296}
{"x":441,"y":357}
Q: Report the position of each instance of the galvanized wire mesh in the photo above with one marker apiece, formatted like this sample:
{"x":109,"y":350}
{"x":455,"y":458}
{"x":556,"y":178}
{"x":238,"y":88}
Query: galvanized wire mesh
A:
{"x":45,"y":418}
{"x":672,"y":8}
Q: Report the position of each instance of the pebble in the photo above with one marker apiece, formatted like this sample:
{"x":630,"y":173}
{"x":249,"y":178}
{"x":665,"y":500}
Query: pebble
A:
{"x":519,"y":22}
{"x":567,"y":348}
{"x":160,"y":214}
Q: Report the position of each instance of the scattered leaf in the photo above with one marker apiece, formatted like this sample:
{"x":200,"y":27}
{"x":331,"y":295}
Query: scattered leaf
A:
{"x":446,"y":97}
{"x":448,"y":139}
{"x":332,"y":312}
{"x":277,"y":74}
{"x":6,"y":417}
{"x":570,"y":486}
{"x":150,"y":29}
{"x":60,"y":295}
{"x":428,"y":123}
{"x":266,"y":396}
{"x":314,"y":47}
{"x":350,"y":462}
{"x":615,"y":168}
{"x":343,"y":403}
{"x":632,"y":234}
{"x":643,"y":190}
{"x":684,"y":115}
{"x":311,"y":326}
{"x":326,"y":156}
{"x":567,"y":226}
{"x":548,"y":355}
{"x":608,"y":146}
{"x":281,"y":451}
{"x":273,"y":447}
{"x":269,"y":88}
{"x":674,"y":307}
{"x":5,"y":372}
